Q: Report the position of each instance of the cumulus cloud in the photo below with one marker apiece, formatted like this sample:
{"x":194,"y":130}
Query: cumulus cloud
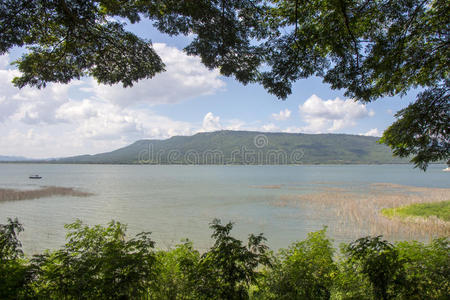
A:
{"x":87,"y":127}
{"x":270,"y":127}
{"x":84,"y":117}
{"x":235,"y":124}
{"x":77,"y":110}
{"x":4,"y":61}
{"x":372,"y":132}
{"x":331,"y":115}
{"x":185,"y":78}
{"x":41,"y":123}
{"x":30,"y":105}
{"x":293,"y":129}
{"x":7,"y":104}
{"x":211,"y":122}
{"x":282,"y":115}
{"x":102,"y":120}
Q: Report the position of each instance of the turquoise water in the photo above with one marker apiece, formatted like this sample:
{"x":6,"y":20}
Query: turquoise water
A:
{"x":176,"y":202}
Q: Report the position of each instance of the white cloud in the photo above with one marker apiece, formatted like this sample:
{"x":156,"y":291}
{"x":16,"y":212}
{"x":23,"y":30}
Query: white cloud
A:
{"x":282,"y":115}
{"x":75,"y":110}
{"x":87,"y":126}
{"x":72,"y":119}
{"x":331,"y":115}
{"x":101,"y":120}
{"x":211,"y":122}
{"x":185,"y":78}
{"x":293,"y":129}
{"x":372,"y":132}
{"x":64,"y":120}
{"x":235,"y":124}
{"x":4,"y":61}
{"x":8,"y":105}
{"x":41,"y":123}
{"x":270,"y":127}
{"x":30,"y":105}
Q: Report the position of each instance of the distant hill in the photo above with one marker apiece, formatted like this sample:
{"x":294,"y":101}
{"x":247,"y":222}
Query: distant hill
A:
{"x":13,"y":158}
{"x":247,"y":147}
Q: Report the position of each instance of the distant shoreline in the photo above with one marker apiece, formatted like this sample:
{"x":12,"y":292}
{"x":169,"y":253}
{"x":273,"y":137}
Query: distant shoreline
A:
{"x":186,"y":164}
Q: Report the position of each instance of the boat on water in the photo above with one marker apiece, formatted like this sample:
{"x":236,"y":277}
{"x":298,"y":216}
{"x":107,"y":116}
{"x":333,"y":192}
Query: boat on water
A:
{"x":448,"y":167}
{"x":35,"y":177}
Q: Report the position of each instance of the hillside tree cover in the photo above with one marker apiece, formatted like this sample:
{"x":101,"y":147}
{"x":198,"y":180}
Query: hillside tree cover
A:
{"x":369,"y":48}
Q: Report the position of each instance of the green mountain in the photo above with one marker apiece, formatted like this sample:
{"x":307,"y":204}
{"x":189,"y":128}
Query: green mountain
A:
{"x":247,"y":147}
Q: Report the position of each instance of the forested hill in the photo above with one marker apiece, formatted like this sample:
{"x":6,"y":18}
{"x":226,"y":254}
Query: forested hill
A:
{"x":247,"y":147}
{"x":4,"y":158}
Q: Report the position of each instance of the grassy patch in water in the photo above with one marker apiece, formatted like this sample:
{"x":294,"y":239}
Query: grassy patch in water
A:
{"x":13,"y":194}
{"x":438,"y":209}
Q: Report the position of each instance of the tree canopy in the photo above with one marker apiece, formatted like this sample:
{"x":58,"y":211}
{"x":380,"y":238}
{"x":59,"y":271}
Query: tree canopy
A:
{"x":369,"y":48}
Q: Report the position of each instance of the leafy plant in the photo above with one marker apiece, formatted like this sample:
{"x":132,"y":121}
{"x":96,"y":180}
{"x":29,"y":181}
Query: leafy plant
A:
{"x":173,"y":276}
{"x":14,"y":273}
{"x":380,"y":262}
{"x":100,"y":263}
{"x":97,"y":263}
{"x":427,"y":269}
{"x":229,"y":267}
{"x":303,"y":271}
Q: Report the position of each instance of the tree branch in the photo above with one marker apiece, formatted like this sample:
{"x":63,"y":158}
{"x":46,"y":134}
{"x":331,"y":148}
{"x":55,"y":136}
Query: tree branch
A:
{"x":347,"y":25}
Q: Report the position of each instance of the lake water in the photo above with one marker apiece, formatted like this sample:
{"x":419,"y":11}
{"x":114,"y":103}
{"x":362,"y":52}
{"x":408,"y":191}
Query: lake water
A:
{"x":176,"y":202}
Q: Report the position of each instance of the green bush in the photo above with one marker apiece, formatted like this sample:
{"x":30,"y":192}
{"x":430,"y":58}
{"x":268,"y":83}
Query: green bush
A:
{"x":380,"y":262}
{"x":427,"y":269}
{"x":101,"y":263}
{"x":350,"y":284}
{"x":174,"y":278}
{"x":227,"y":269}
{"x":97,"y":263}
{"x":14,"y":271}
{"x":303,"y":271}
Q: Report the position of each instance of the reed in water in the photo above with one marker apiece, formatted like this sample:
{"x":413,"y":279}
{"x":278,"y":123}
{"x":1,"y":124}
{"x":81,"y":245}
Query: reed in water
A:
{"x":355,"y":211}
{"x":13,"y":194}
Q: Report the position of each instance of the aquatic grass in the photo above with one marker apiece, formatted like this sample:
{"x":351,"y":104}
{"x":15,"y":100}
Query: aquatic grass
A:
{"x":270,"y":187}
{"x":440,"y":210}
{"x":43,"y":192}
{"x":355,"y":212}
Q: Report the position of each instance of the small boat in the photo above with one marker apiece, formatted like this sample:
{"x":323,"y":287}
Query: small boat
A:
{"x":35,"y":177}
{"x":448,"y":167}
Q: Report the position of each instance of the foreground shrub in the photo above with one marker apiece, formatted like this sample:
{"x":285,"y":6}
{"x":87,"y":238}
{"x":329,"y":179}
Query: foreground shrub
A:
{"x":228,"y":269}
{"x":350,"y":284}
{"x":14,"y":272}
{"x":96,"y":263}
{"x":174,"y":281}
{"x":426,"y":269}
{"x":380,"y":262}
{"x":100,"y":263}
{"x":303,"y":271}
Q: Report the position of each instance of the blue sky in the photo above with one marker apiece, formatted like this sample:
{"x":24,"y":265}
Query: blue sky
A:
{"x":86,"y":118}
